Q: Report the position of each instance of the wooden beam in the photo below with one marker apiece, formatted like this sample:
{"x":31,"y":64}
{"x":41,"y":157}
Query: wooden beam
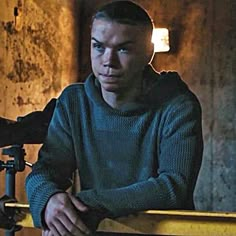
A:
{"x":166,"y":222}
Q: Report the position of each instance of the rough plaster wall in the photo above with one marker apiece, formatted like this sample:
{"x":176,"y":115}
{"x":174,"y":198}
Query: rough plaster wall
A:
{"x":38,"y":57}
{"x":203,"y":52}
{"x":224,"y":104}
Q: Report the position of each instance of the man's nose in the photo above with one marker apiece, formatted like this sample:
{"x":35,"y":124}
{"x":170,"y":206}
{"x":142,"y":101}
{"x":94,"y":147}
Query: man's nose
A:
{"x":110,"y":59}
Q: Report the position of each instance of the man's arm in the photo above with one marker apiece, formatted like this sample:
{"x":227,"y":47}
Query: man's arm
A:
{"x":53,"y":209}
{"x":52,"y":173}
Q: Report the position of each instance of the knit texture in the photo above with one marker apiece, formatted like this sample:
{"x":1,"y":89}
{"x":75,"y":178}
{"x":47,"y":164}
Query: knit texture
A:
{"x":146,"y":155}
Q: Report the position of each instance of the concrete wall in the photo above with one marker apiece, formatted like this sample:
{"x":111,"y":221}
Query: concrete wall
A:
{"x":39,"y":56}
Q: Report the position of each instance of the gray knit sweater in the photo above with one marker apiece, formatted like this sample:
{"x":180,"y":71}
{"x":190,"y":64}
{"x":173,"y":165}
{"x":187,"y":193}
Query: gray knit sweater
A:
{"x":146,"y":155}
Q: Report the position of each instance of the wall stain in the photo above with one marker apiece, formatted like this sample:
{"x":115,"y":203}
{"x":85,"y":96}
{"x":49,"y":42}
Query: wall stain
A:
{"x":21,"y":102}
{"x":9,"y":27}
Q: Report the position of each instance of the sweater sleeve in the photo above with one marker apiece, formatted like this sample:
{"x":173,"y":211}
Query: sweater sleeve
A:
{"x":180,"y":155}
{"x":56,"y":163}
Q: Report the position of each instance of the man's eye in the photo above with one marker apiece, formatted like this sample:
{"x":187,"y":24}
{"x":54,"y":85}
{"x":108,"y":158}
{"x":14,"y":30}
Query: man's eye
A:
{"x":98,"y":47}
{"x":123,"y":50}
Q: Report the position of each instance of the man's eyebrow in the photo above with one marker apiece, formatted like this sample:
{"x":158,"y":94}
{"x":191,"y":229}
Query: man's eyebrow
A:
{"x":96,"y":40}
{"x":119,"y":45}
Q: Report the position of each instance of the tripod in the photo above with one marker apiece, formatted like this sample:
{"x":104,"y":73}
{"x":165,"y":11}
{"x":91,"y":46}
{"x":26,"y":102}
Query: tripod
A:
{"x":17,"y":164}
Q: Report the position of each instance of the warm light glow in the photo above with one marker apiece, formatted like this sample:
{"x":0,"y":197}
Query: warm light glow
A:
{"x":160,"y":38}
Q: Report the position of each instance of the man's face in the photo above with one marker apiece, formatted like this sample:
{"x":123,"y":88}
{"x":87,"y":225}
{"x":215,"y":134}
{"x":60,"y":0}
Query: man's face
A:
{"x":119,"y":53}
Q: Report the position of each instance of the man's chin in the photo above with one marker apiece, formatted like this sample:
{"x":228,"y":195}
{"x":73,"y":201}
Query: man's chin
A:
{"x":111,"y":87}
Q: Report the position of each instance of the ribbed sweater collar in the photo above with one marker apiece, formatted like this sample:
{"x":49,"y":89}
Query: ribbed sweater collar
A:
{"x":93,"y":91}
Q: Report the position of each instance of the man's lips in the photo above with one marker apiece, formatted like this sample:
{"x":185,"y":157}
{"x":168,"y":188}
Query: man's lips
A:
{"x":109,"y":77}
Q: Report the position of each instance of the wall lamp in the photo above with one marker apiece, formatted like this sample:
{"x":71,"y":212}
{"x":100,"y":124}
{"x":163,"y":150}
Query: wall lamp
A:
{"x":160,"y":39}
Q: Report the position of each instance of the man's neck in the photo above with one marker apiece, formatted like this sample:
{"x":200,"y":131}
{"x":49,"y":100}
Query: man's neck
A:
{"x":116,"y":100}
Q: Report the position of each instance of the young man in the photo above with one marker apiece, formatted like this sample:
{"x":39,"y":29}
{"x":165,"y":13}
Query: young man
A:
{"x":134,"y":135}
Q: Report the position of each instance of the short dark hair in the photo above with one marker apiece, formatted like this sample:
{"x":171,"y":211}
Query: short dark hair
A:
{"x":124,"y":12}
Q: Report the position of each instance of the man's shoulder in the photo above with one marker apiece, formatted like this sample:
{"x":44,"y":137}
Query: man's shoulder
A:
{"x":73,"y":89}
{"x":167,"y":87}
{"x":73,"y":93}
{"x":79,"y":87}
{"x":175,"y":93}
